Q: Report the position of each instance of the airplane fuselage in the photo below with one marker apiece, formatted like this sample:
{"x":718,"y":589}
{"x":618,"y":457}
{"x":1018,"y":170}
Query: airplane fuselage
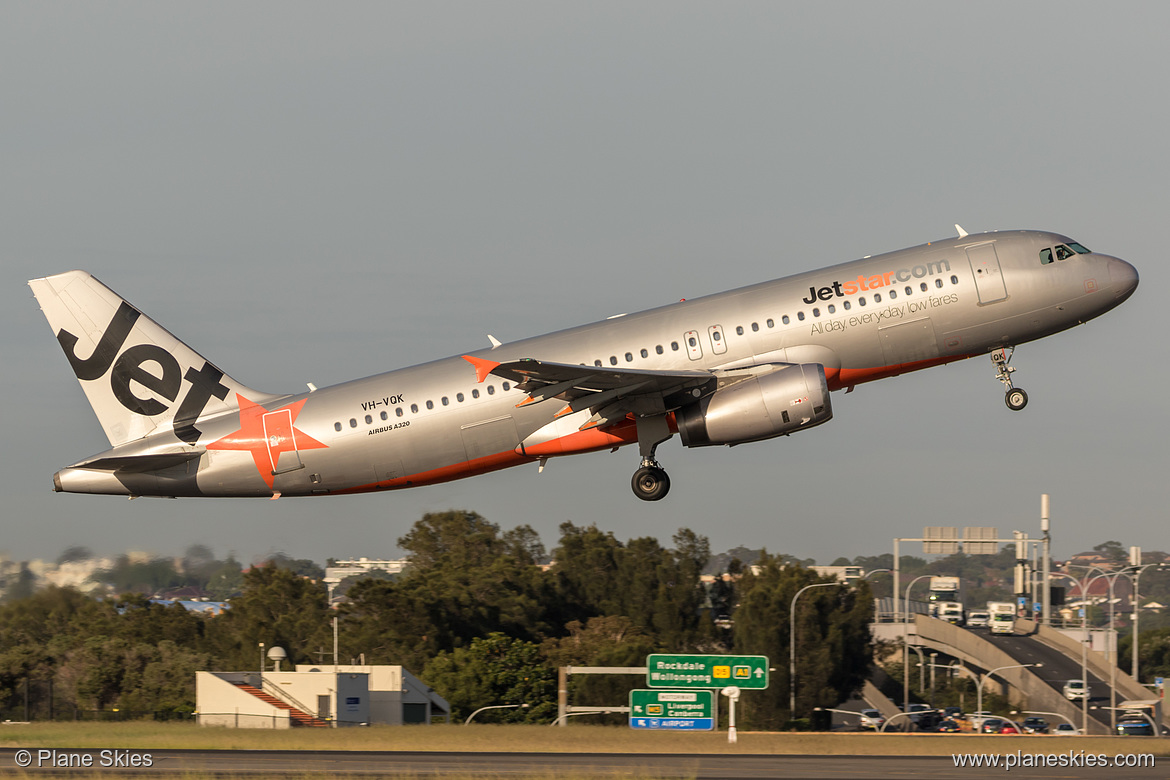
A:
{"x":863,"y":320}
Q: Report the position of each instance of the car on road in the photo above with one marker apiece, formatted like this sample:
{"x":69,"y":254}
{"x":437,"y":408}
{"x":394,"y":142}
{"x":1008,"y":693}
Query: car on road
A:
{"x":1035,"y":725}
{"x":872,"y":720}
{"x":992,"y":725}
{"x":1066,"y":730}
{"x":947,"y":726}
{"x":1075,"y":689}
{"x":978,"y":619}
{"x":1134,"y":727}
{"x":1008,"y":728}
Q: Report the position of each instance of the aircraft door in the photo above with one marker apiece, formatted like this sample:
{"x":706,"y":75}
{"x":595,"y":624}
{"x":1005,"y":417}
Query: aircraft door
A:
{"x":718,"y":342}
{"x":694,"y":348}
{"x":280,"y":436}
{"x":988,"y":275}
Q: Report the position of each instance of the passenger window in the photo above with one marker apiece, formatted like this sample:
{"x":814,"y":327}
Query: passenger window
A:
{"x":369,"y":419}
{"x":893,"y":294}
{"x":414,"y":408}
{"x":847,"y":305}
{"x":938,"y":282}
{"x":800,"y":316}
{"x":739,"y":330}
{"x":785,"y":319}
{"x":954,"y":280}
{"x":629,"y":358}
{"x":613,"y":360}
{"x":674,"y":346}
{"x":384,"y":416}
{"x":716,"y":335}
{"x":755,"y":327}
{"x":444,"y":401}
{"x":692,"y":342}
{"x":352,"y":423}
{"x":770,"y":323}
{"x":909,"y":290}
{"x":459,"y":397}
{"x":658,"y":349}
{"x":399,"y":411}
{"x":597,"y":362}
{"x":475,"y":392}
{"x":861,"y":301}
{"x":877,"y":297}
{"x":832,"y":308}
{"x":923,"y":286}
{"x":1045,"y":256}
{"x":507,"y":387}
{"x":337,"y":426}
{"x":644,"y":353}
{"x":430,"y":404}
{"x":491,"y":389}
{"x":816,"y":312}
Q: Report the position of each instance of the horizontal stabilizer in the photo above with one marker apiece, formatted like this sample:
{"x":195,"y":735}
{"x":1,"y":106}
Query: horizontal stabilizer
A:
{"x":138,"y":464}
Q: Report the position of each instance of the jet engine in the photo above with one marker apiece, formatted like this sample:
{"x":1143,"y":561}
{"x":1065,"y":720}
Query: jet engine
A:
{"x":758,"y":406}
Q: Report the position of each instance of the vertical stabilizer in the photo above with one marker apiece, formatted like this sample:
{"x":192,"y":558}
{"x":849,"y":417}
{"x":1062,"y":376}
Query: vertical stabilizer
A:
{"x":139,"y":379}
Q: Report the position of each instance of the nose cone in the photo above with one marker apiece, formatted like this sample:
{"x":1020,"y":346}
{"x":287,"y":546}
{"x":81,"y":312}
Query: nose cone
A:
{"x":1123,"y":277}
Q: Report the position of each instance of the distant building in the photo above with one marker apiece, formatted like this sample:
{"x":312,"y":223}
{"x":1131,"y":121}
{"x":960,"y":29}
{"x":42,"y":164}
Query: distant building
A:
{"x":320,"y":695}
{"x":356,"y":567}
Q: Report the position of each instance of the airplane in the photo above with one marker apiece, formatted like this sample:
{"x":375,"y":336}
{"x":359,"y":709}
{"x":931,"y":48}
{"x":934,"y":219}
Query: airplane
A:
{"x":741,"y":366}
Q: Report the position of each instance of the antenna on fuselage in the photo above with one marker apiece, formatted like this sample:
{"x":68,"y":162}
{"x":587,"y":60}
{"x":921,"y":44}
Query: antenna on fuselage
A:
{"x":962,"y":233}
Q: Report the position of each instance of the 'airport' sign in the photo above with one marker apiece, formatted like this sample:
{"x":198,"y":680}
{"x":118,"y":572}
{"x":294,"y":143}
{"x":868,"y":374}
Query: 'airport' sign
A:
{"x":672,"y":710}
{"x":749,"y":672}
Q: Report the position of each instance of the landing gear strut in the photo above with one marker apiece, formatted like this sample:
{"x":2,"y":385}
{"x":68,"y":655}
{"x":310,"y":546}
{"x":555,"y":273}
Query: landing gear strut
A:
{"x":1015,"y":398}
{"x":650,"y":482}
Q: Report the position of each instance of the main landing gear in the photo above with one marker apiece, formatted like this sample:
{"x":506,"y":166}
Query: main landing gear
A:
{"x":1015,"y":398}
{"x":650,"y":482}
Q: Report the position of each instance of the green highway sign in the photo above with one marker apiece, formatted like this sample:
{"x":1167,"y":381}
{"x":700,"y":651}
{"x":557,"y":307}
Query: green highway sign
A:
{"x":672,"y":710}
{"x":749,"y":672}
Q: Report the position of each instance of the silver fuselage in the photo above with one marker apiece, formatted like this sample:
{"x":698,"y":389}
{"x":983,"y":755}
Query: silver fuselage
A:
{"x":862,"y":320}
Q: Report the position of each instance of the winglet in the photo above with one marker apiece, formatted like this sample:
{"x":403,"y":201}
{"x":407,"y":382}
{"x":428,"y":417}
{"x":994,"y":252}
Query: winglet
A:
{"x":482,"y":367}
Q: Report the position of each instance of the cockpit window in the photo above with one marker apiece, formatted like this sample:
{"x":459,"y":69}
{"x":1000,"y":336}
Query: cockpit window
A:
{"x":1045,"y":256}
{"x":1063,"y":252}
{"x":1080,"y":250}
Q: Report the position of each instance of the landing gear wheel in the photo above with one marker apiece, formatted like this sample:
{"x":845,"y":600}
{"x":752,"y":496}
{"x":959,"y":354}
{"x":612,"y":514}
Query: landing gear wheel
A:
{"x":1016,"y":399}
{"x":650,"y":483}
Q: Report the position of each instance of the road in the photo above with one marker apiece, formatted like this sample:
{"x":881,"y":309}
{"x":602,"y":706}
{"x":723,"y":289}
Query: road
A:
{"x":1057,"y":670}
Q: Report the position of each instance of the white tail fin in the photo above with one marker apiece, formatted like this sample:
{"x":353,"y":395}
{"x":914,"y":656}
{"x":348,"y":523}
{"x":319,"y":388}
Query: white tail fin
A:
{"x":140,"y":379}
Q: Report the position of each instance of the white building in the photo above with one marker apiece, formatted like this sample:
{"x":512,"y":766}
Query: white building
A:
{"x":321,"y":696}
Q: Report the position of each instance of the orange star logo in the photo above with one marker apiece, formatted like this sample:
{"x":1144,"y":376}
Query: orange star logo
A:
{"x":267,"y":435}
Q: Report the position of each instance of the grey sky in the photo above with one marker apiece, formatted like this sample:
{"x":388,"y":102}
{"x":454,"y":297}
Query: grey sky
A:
{"x":318,"y":192}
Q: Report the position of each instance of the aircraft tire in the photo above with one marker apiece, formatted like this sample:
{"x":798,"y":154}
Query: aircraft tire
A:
{"x":1016,"y":399}
{"x":650,"y":483}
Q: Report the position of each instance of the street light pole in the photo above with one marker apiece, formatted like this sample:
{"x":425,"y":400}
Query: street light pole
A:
{"x":492,"y":707}
{"x":792,"y":645}
{"x":906,"y":643}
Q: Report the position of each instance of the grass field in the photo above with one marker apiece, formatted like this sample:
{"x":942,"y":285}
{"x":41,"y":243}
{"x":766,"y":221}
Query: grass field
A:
{"x":573,"y":739}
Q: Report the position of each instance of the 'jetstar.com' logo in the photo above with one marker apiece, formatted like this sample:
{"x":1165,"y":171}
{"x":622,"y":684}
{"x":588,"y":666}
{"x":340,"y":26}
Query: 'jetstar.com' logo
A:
{"x":267,"y":435}
{"x":877,"y":281}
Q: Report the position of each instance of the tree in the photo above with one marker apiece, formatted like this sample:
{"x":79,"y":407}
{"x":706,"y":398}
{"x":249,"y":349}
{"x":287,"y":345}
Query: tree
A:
{"x":834,"y":648}
{"x":493,"y":670}
{"x":277,"y":608}
{"x":77,"y":552}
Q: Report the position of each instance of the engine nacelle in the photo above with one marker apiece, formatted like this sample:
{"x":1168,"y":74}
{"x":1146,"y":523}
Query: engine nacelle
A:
{"x":789,"y":399}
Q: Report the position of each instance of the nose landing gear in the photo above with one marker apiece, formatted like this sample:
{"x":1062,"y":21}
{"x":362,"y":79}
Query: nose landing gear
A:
{"x":1015,"y":397}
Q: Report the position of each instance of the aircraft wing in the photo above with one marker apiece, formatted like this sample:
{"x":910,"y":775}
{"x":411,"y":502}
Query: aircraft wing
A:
{"x":610,"y":393}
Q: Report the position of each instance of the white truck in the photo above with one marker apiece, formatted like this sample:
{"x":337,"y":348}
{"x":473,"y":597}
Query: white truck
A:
{"x":950,"y":611}
{"x":1003,"y":617}
{"x":946,"y":589}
